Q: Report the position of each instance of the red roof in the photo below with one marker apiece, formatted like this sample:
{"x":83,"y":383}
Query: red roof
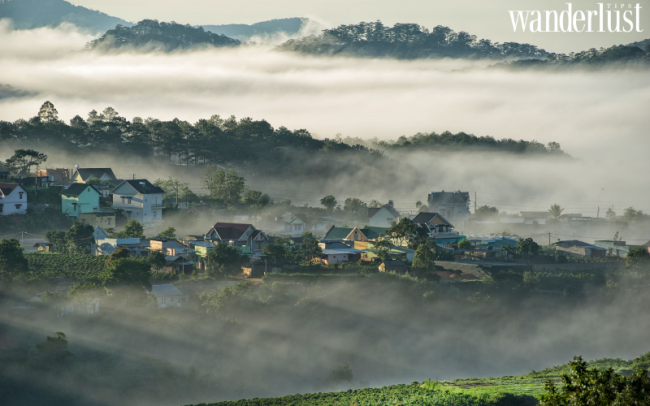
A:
{"x":230,"y":231}
{"x":8,"y":187}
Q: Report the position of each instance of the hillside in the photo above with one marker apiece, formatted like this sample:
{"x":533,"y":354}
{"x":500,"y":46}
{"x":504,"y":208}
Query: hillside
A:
{"x":30,"y":14}
{"x":523,"y":390}
{"x":246,"y":32}
{"x":406,"y":41}
{"x":151,"y":34}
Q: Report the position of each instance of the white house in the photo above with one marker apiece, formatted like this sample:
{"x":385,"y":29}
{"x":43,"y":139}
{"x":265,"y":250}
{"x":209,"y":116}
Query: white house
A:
{"x":454,"y":206}
{"x":13,"y":199}
{"x":140,"y":201}
{"x":383,"y":216}
{"x":168,"y":295}
{"x":291,"y":225}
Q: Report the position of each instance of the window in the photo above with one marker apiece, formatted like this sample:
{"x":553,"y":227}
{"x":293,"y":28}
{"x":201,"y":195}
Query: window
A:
{"x":171,"y":299}
{"x":122,"y":199}
{"x":154,"y":214}
{"x":128,"y":214}
{"x":18,"y":206}
{"x":74,"y":206}
{"x":20,"y":195}
{"x":163,"y":300}
{"x":1,"y":205}
{"x":109,"y":221}
{"x":128,"y":200}
{"x":296,"y":227}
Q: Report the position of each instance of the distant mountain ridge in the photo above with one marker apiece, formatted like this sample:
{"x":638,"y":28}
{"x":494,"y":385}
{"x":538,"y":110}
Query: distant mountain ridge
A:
{"x":245,"y":32}
{"x":30,"y":14}
{"x":154,"y":35}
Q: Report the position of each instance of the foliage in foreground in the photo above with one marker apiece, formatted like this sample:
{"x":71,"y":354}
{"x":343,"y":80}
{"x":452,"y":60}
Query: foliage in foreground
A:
{"x":404,"y":395}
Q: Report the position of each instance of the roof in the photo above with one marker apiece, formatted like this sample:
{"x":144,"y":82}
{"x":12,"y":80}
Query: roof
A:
{"x":374,"y":210}
{"x":449,"y":197}
{"x":576,"y":243}
{"x":142,"y":186}
{"x":337,"y":233}
{"x":7,"y":188}
{"x":341,"y":251}
{"x":87,"y":173}
{"x":230,"y":231}
{"x":435,"y":218}
{"x":42,"y":244}
{"x":78,"y":188}
{"x":165,"y":290}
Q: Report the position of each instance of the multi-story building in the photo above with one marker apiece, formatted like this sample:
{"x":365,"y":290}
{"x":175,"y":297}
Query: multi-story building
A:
{"x":453,"y":206}
{"x":140,"y":201}
{"x":80,"y":198}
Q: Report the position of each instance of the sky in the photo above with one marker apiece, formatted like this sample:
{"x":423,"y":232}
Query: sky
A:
{"x":486,"y":19}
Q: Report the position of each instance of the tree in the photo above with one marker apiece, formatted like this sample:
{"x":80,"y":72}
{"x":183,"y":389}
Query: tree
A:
{"x":120,"y":253}
{"x":224,"y":259}
{"x":227,"y":186}
{"x":23,"y":159}
{"x":132,"y":229}
{"x":157,"y":260}
{"x":169,"y":233}
{"x":126,"y":272}
{"x":556,"y":211}
{"x":527,"y":246}
{"x":402,"y":231}
{"x":638,"y":258}
{"x":277,"y":250}
{"x":610,"y":214}
{"x":12,"y":259}
{"x":423,"y":258}
{"x":464,"y":244}
{"x":52,"y":352}
{"x":329,"y":202}
{"x":381,"y":249}
{"x":583,"y":386}
{"x":172,"y":187}
{"x":355,"y":206}
{"x":486,"y":212}
{"x":79,"y":237}
{"x":48,"y":113}
{"x":57,"y":239}
{"x":309,"y":247}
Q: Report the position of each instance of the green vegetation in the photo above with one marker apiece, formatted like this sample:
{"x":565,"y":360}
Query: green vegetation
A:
{"x":406,"y":41}
{"x":616,"y":54}
{"x":80,"y":267}
{"x":151,"y":34}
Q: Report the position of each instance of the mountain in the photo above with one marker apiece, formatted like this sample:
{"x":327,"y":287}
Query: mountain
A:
{"x":406,"y":41}
{"x":245,"y":32}
{"x":151,"y":34}
{"x":30,"y":14}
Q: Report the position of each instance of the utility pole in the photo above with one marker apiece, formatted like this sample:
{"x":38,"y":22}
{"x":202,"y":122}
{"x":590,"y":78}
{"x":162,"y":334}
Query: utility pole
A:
{"x":549,"y":240}
{"x":598,"y":212}
{"x":22,"y":238}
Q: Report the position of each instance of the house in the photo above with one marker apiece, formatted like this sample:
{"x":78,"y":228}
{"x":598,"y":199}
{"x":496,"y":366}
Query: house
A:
{"x":618,"y":248}
{"x":13,"y":199}
{"x":436,"y":225}
{"x":394,"y":266}
{"x":535,"y":217}
{"x":183,"y":204}
{"x":575,"y":247}
{"x":168,"y":295}
{"x":291,"y":225}
{"x":43,"y":246}
{"x":104,"y":218}
{"x":79,"y":198}
{"x":453,"y":206}
{"x":55,"y":176}
{"x":354,"y":233}
{"x":179,"y":264}
{"x":237,"y":234}
{"x":255,"y":268}
{"x":322,"y":224}
{"x":170,"y":248}
{"x":492,"y":241}
{"x":135,"y":246}
{"x":383,"y":216}
{"x":393,"y":252}
{"x":140,"y":201}
{"x":104,"y":176}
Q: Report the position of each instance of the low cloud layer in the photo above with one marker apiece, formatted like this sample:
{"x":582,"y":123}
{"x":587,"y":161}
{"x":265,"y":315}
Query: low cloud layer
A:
{"x":600,"y":117}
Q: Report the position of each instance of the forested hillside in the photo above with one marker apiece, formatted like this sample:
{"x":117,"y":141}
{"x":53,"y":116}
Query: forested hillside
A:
{"x":151,"y":34}
{"x":30,"y":14}
{"x":244,"y":32}
{"x":407,"y":41}
{"x":614,"y":55}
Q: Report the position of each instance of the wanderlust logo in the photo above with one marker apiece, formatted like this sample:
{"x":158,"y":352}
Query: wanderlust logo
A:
{"x":609,"y":16}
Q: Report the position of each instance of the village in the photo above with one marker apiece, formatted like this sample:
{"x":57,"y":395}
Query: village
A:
{"x":376,"y":239}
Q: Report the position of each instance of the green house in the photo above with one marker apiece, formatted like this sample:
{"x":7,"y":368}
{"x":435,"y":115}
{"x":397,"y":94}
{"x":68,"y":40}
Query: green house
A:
{"x":79,"y":198}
